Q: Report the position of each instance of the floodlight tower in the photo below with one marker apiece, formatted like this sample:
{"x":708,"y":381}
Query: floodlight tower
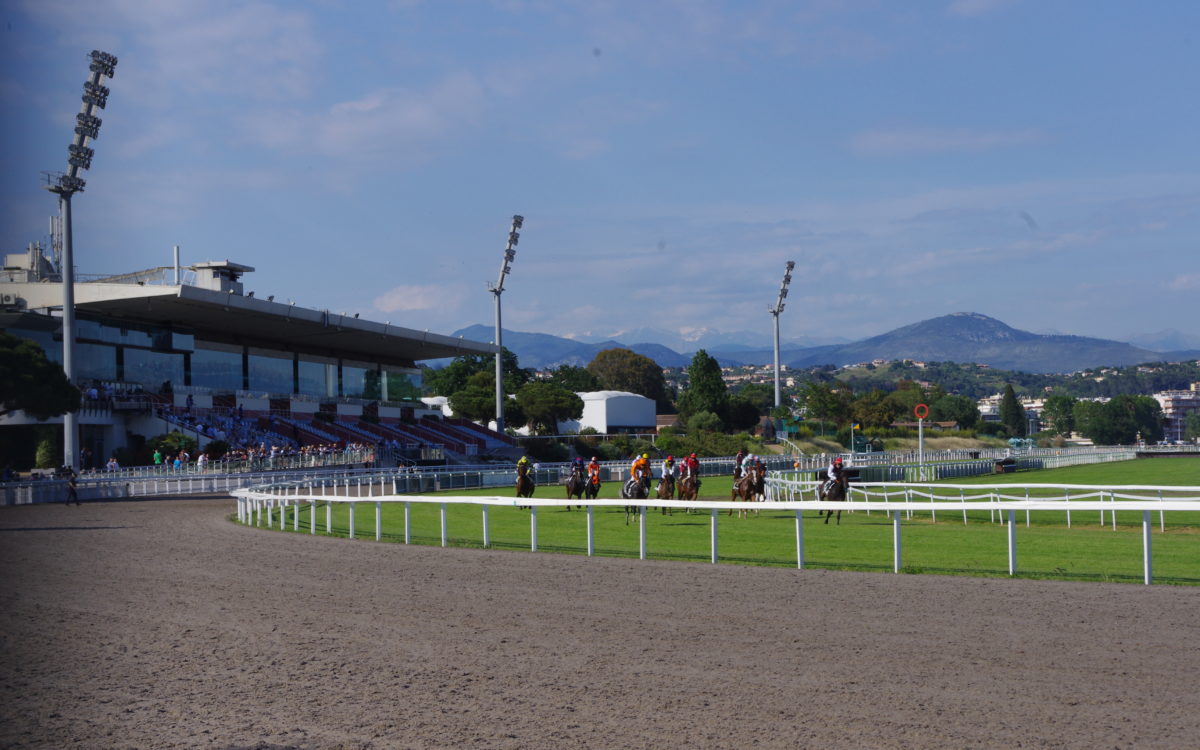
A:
{"x":497,"y":289}
{"x":65,"y":185}
{"x":778,"y":308}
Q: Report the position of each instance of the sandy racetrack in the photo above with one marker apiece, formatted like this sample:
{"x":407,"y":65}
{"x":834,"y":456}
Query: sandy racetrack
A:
{"x":162,"y":624}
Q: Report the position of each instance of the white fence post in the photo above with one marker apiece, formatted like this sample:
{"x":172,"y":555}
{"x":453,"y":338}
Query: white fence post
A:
{"x":487,"y":532}
{"x":1146,"y":526}
{"x":1012,"y":542}
{"x":713,"y":533}
{"x":378,"y":520}
{"x":591,"y":532}
{"x":799,"y":540}
{"x":896,"y":540}
{"x":533,"y":528}
{"x":351,"y":520}
{"x":443,"y":517}
{"x":407,"y":523}
{"x":642,"y":534}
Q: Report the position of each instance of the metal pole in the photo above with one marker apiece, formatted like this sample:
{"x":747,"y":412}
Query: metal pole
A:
{"x":591,"y":532}
{"x":777,"y":397}
{"x":713,"y":541}
{"x":443,"y":514}
{"x":487,"y":531}
{"x":1012,"y":542}
{"x":642,"y":534}
{"x":896,"y":541}
{"x":499,"y":368}
{"x":533,"y":529}
{"x":71,"y":418}
{"x":799,"y":541}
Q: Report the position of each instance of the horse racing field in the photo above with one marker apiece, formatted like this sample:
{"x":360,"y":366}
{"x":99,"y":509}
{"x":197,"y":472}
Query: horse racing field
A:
{"x":1048,"y":547}
{"x":160,"y":624}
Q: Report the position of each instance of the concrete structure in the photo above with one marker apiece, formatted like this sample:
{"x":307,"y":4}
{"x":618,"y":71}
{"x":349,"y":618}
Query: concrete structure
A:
{"x":1176,"y":406}
{"x":614,"y":411}
{"x":157,"y":344}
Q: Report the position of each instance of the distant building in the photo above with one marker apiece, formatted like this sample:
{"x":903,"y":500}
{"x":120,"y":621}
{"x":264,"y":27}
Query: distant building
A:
{"x":1176,"y":406}
{"x":614,"y":411}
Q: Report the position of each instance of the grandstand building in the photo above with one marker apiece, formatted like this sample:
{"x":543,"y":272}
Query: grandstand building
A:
{"x":188,"y":348}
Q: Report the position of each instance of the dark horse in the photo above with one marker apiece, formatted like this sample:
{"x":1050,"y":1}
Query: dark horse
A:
{"x":747,"y":489}
{"x":635,"y":489}
{"x":836,"y":492}
{"x":687,"y":488}
{"x":592,"y":489}
{"x":524,"y":482}
{"x":666,"y":491}
{"x":575,"y":486}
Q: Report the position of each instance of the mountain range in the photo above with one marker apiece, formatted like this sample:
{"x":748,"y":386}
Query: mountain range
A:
{"x":959,"y":337}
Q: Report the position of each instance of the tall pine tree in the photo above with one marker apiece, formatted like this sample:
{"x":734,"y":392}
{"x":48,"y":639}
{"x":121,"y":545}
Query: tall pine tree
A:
{"x":1012,"y":414}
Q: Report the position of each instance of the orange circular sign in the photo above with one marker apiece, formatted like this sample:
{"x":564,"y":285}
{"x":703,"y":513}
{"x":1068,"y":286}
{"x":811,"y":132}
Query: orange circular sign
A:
{"x":921,"y":411}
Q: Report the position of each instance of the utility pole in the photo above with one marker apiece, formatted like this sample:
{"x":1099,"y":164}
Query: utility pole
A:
{"x":497,"y":289}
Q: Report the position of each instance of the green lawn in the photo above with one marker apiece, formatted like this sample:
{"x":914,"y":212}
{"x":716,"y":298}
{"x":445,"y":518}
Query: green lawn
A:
{"x":1046,"y":549}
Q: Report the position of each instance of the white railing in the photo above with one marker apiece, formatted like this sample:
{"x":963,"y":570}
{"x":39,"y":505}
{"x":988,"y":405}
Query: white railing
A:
{"x":254,"y":506}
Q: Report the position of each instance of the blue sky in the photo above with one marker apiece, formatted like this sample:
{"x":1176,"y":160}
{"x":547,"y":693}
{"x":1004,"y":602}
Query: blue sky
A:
{"x":1032,"y":161}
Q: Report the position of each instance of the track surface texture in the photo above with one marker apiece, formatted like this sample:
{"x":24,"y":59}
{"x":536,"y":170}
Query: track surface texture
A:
{"x":162,"y":624}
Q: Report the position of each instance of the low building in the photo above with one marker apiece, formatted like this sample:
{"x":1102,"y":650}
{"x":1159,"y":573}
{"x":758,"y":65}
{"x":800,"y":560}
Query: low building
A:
{"x":614,"y":411}
{"x":1176,"y":406}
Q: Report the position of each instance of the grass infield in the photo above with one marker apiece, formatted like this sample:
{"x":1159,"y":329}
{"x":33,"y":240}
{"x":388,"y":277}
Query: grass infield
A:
{"x":1046,"y":547}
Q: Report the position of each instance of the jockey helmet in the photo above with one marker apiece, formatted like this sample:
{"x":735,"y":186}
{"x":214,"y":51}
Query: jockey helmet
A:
{"x":645,"y":455}
{"x":838,"y":461}
{"x":670,"y":458}
{"x":593,"y":458}
{"x":693,"y":455}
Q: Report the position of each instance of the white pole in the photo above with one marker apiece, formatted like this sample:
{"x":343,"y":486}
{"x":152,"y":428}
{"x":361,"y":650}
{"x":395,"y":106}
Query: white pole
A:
{"x":799,"y":540}
{"x":351,"y":520}
{"x":713,"y":534}
{"x":443,"y":515}
{"x":328,"y":517}
{"x":1146,"y":546}
{"x":487,"y":532}
{"x":533,"y":529}
{"x":896,"y":541}
{"x":296,"y":516}
{"x":591,"y":532}
{"x":312,"y":516}
{"x":378,"y":520}
{"x":1012,"y":542}
{"x":642,"y":535}
{"x":407,"y":524}
{"x":921,"y":446}
{"x":1067,"y":497}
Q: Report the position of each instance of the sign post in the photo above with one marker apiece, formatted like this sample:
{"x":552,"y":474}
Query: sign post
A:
{"x":921,"y":411}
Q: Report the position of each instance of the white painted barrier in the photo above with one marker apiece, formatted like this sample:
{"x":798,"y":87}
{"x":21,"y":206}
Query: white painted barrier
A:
{"x":781,"y":494}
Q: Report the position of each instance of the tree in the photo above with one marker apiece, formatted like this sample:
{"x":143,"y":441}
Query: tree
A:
{"x":477,"y":401}
{"x":743,"y":414}
{"x":1059,"y":412}
{"x":454,"y":376}
{"x":547,"y":404}
{"x":953,"y":408}
{"x":706,"y":389}
{"x":706,"y":421}
{"x":825,"y":401}
{"x":759,"y":394}
{"x":1012,"y":414}
{"x":575,"y":379}
{"x":31,"y":383}
{"x":874,"y":409}
{"x":625,"y":370}
{"x":1192,"y":426}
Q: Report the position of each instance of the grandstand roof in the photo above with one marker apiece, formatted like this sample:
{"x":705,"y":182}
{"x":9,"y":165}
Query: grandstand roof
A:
{"x":253,"y":318}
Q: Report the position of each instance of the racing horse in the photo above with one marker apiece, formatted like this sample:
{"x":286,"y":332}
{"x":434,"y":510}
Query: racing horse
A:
{"x":834,"y":492}
{"x":687,"y":488}
{"x":575,"y":486}
{"x":592,"y":489}
{"x":666,"y":491}
{"x":525,"y":484}
{"x":747,"y":489}
{"x":635,"y":489}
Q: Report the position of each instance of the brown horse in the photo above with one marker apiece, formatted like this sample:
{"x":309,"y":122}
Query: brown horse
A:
{"x":592,"y":489}
{"x":747,"y":489}
{"x":525,"y":484}
{"x":687,"y":488}
{"x":836,"y":493}
{"x":638,"y":489}
{"x":575,"y":486}
{"x":666,"y":491}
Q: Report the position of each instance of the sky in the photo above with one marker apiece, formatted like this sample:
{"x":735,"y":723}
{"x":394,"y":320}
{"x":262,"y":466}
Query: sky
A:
{"x":1036,"y":162}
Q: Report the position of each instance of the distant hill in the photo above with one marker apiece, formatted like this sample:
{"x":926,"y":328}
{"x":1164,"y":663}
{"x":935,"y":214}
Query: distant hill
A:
{"x":971,"y":337}
{"x":961,"y":337}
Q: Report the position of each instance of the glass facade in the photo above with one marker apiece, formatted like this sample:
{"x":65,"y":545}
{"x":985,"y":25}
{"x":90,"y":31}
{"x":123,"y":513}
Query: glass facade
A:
{"x":218,"y":367}
{"x":152,"y":369}
{"x":269,"y":372}
{"x":153,"y":355}
{"x":318,"y":376}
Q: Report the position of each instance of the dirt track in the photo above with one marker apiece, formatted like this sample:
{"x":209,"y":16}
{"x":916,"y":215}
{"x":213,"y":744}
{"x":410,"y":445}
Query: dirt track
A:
{"x":161,"y":624}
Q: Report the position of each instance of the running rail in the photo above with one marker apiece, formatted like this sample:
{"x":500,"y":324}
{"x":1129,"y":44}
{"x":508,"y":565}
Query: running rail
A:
{"x":268,"y":503}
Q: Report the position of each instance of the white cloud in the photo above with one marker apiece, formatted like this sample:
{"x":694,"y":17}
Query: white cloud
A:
{"x":1185,"y":282}
{"x":903,"y":142}
{"x":411,"y":297}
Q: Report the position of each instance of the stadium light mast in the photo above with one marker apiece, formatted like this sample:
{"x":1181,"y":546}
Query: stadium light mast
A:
{"x":497,"y":289}
{"x":65,"y":185}
{"x":778,"y":308}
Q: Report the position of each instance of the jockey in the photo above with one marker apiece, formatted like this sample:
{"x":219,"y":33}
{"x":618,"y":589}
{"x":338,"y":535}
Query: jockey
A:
{"x":834,"y":473}
{"x":523,"y":462}
{"x":668,"y":470}
{"x":639,"y":471}
{"x":748,"y":463}
{"x":737,"y":463}
{"x":577,"y":466}
{"x":692,"y":466}
{"x":593,"y":471}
